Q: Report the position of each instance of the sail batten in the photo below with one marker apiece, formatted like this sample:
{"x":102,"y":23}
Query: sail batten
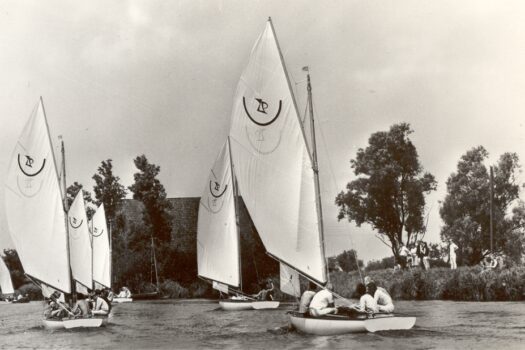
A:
{"x":273,"y":164}
{"x":217,"y":238}
{"x":34,"y":208}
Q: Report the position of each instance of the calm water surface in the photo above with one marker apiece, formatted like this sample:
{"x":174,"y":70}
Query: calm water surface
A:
{"x":199,"y":324}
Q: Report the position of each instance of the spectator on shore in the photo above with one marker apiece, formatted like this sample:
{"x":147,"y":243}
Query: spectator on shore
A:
{"x":414,"y":260}
{"x":403,"y":255}
{"x":422,"y":253}
{"x":452,"y":255}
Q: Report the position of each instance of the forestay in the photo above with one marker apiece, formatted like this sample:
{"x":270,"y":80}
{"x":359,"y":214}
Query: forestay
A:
{"x":101,"y":254}
{"x":272,"y":162}
{"x":34,"y":208}
{"x":6,"y":285}
{"x":217,"y":237}
{"x":79,"y":242}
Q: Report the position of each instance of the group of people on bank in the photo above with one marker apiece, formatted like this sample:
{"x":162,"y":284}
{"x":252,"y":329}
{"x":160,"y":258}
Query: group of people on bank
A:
{"x":97,"y":303}
{"x":413,"y":255}
{"x":372,"y":299}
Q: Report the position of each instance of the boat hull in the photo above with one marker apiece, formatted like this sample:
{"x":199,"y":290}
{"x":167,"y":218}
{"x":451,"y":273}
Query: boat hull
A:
{"x":65,"y":323}
{"x":121,"y":300}
{"x":334,"y":324}
{"x":238,"y":305}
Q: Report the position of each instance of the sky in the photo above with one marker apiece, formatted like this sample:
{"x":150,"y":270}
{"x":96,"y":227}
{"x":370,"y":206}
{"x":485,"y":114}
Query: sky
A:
{"x":125,"y":78}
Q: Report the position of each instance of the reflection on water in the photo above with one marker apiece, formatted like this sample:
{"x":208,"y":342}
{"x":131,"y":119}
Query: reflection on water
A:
{"x":199,"y":324}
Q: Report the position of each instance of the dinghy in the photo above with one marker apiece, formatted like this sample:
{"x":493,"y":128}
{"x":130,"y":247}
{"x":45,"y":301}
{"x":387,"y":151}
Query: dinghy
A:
{"x":277,"y":174}
{"x":218,"y":237}
{"x":68,"y":323}
{"x":38,"y":225}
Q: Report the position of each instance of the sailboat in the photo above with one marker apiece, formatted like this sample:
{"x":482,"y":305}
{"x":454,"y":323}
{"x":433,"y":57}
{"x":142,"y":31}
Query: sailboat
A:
{"x":6,"y":284}
{"x":218,"y":237}
{"x":36,"y":215}
{"x":101,"y":256}
{"x":277,"y":175}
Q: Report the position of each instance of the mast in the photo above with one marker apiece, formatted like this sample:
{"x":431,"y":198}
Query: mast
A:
{"x":491,"y":207}
{"x":110,"y":257}
{"x":66,"y":209}
{"x":315,"y":167}
{"x":236,"y":207}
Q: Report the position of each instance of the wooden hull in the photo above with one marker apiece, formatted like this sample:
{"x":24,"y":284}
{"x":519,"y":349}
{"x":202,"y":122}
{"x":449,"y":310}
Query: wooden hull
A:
{"x":238,"y":305}
{"x":333,"y":324}
{"x":65,"y":323}
{"x":121,"y":300}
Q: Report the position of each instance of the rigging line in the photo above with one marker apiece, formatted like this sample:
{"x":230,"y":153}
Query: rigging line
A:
{"x":334,"y":183}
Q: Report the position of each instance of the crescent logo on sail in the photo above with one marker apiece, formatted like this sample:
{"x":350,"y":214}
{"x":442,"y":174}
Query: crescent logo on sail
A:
{"x":27,"y":182}
{"x":262,"y":138}
{"x":73,"y":222}
{"x":29,"y":164}
{"x":97,"y":232}
{"x":262,"y":106}
{"x":215,"y":202}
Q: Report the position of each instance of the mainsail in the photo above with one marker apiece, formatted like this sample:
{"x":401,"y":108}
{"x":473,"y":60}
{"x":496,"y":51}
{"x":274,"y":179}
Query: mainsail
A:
{"x":273,"y":164}
{"x":79,"y":242}
{"x":34,"y":208}
{"x":101,"y":255}
{"x":217,"y":236}
{"x":6,"y":285}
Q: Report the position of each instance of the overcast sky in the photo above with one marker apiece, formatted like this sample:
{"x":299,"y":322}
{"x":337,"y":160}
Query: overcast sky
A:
{"x":124,"y":78}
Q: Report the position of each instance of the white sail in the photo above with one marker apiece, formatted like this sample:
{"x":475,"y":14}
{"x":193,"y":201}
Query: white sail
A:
{"x":6,"y":285}
{"x":79,"y":242}
{"x":217,"y":237}
{"x":289,"y":281}
{"x":101,"y":255}
{"x":34,"y":207}
{"x":272,"y":162}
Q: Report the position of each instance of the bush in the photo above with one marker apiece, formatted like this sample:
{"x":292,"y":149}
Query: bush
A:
{"x":172,"y":289}
{"x":33,"y":292}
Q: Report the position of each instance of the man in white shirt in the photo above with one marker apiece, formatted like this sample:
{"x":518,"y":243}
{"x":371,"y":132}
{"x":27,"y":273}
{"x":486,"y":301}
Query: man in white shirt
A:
{"x":323,"y":302}
{"x":453,"y":248}
{"x":403,"y":255}
{"x":382,"y":298}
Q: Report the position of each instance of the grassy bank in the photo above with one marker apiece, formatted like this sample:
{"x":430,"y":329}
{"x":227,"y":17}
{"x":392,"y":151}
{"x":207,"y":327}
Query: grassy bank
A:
{"x":465,"y":283}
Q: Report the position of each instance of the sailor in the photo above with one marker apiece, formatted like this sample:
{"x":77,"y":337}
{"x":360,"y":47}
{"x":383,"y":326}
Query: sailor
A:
{"x":124,"y":293}
{"x":306,"y":297}
{"x":101,"y":306}
{"x":382,"y":298}
{"x":81,"y":307}
{"x":323,"y":302}
{"x":367,"y":303}
{"x":266,"y":293}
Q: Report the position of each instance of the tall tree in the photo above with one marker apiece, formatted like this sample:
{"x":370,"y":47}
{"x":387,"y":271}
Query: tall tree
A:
{"x":148,"y":189}
{"x":389,"y":190}
{"x":466,"y":208}
{"x":108,"y":189}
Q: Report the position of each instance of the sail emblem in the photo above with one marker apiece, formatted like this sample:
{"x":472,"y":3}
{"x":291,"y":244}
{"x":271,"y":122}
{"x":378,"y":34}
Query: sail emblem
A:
{"x":261,"y":137}
{"x":215,"y":202}
{"x":25,"y":182}
{"x":97,"y":232}
{"x":75,"y":225}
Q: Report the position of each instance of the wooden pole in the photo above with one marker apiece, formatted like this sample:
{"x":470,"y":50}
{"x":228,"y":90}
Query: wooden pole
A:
{"x":491,"y":208}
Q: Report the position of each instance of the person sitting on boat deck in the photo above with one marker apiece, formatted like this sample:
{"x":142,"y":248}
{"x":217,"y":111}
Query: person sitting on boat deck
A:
{"x":51,"y":309}
{"x":124,"y":293}
{"x":382,"y":298}
{"x":323,"y":302}
{"x":101,"y":306}
{"x":306,"y":297}
{"x":104,"y":295}
{"x":110,"y":294}
{"x":367,"y":303}
{"x":82,"y":307}
{"x":266,"y":293}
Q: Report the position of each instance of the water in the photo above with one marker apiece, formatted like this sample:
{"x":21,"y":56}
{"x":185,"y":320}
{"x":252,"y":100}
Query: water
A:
{"x":199,"y":324}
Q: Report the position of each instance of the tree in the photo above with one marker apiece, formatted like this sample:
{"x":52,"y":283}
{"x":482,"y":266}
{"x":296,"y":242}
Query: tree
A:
{"x":108,"y":190}
{"x":347,"y":261}
{"x":71,"y":193}
{"x":14,"y":265}
{"x":389,"y":191}
{"x":148,"y":189}
{"x":466,"y":208}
